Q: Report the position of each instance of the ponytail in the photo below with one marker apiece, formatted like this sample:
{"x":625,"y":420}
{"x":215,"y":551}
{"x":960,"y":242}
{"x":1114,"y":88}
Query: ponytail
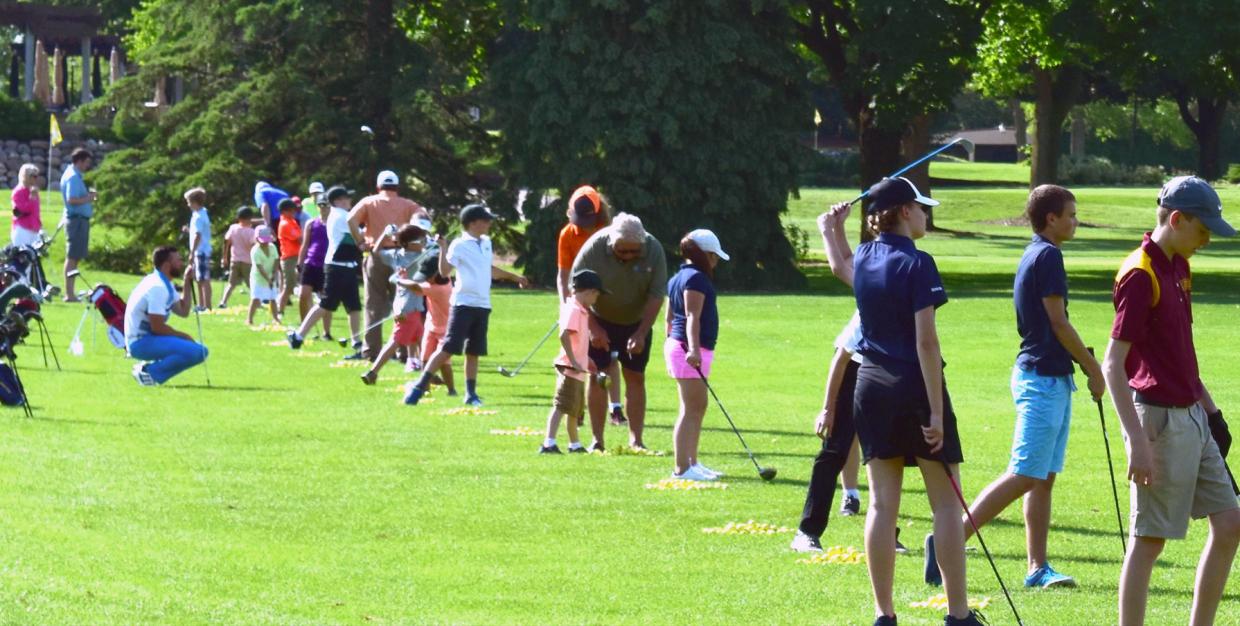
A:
{"x":690,"y":251}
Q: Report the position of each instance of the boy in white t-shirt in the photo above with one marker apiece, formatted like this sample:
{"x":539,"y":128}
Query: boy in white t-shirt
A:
{"x":200,"y":244}
{"x":470,"y":255}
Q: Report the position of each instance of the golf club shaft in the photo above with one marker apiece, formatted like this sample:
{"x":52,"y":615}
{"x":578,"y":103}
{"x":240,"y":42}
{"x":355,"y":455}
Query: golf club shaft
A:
{"x":1106,"y":443}
{"x":910,"y":166}
{"x":977,"y":532}
{"x":540,"y":343}
{"x":193,"y":298}
{"x":729,"y":418}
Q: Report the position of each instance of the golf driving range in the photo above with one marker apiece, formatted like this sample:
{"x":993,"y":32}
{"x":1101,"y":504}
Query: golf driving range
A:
{"x":287,"y":492}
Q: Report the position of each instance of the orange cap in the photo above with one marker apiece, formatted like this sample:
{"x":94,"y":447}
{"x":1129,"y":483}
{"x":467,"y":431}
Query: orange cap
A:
{"x":578,"y":209}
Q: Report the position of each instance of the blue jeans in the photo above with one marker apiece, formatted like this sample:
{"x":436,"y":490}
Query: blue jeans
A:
{"x":168,"y":355}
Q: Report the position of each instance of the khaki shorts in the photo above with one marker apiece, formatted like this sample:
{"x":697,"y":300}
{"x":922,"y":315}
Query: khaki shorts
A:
{"x":570,"y":395}
{"x":239,"y":274}
{"x":289,"y":268}
{"x":1189,"y":476}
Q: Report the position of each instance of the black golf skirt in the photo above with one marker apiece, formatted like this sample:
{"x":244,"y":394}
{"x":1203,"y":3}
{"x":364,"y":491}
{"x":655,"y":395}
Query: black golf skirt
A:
{"x":890,"y":407}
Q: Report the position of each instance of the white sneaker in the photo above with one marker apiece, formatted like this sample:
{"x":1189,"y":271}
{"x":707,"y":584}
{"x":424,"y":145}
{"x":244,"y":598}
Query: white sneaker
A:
{"x":694,"y":474}
{"x":707,"y":470}
{"x":140,"y":374}
{"x":805,"y":543}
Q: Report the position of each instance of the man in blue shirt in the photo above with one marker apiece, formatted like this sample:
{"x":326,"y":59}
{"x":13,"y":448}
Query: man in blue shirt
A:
{"x":79,"y":209}
{"x":1042,"y":382}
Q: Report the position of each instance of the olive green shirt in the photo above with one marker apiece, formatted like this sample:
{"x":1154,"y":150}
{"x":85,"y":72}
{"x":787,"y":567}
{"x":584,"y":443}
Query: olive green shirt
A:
{"x":632,"y":284}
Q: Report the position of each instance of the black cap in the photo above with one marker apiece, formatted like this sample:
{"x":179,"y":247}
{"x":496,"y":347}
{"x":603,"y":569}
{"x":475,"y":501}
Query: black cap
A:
{"x":245,"y":212}
{"x":428,"y":269}
{"x":893,"y":192}
{"x":587,"y":279}
{"x":337,"y":192}
{"x":475,"y":212}
{"x":287,"y":204}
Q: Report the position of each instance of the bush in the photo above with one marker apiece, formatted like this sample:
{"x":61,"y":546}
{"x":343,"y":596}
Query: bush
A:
{"x":799,"y":239}
{"x":830,"y":169}
{"x":1092,"y":170}
{"x":127,"y":259}
{"x":1233,"y":173}
{"x":21,"y":120}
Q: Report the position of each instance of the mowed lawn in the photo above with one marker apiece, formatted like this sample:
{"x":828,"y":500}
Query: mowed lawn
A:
{"x":290,"y":493}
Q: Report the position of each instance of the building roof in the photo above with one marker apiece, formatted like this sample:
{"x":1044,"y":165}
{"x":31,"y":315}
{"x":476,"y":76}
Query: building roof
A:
{"x":52,"y":22}
{"x":985,"y":136}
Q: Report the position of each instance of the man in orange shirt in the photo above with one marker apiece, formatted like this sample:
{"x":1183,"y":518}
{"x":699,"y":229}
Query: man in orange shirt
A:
{"x":585,"y":217}
{"x":289,"y":235}
{"x":372,"y":215}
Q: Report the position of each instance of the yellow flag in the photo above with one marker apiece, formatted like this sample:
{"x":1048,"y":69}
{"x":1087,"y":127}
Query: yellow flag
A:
{"x":55,"y":133}
{"x":817,"y":118}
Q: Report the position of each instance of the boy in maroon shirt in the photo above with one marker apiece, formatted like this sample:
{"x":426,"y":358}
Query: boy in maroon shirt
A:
{"x":1175,"y":466}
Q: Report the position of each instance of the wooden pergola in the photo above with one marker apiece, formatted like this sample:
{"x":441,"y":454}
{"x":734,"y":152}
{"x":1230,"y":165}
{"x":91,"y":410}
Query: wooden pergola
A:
{"x":61,"y":27}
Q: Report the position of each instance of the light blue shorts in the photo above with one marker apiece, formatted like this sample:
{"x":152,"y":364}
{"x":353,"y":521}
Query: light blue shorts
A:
{"x":1043,"y":414}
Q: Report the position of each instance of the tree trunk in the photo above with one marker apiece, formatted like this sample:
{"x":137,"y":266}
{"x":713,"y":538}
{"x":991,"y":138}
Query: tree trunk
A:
{"x":915,"y":143}
{"x":880,"y":156}
{"x":1206,"y":127}
{"x":377,"y":96}
{"x":1019,"y":123}
{"x":1056,"y":93}
{"x":1077,"y":145}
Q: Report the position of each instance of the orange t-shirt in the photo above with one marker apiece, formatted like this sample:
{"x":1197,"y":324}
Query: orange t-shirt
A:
{"x":572,"y":238}
{"x":375,"y":213}
{"x":439,"y":306}
{"x":575,"y":319}
{"x":289,"y":234}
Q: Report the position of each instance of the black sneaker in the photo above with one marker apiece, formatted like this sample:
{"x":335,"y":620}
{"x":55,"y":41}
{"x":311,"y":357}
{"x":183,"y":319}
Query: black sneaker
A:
{"x":577,"y":450}
{"x":343,"y":341}
{"x":900,"y":548}
{"x":933,"y":576}
{"x":885,"y":620}
{"x":356,"y":356}
{"x":597,"y":447}
{"x":327,"y":337}
{"x":973,"y":619}
{"x":617,"y":416}
{"x":549,"y":450}
{"x":294,"y":341}
{"x":851,"y":506}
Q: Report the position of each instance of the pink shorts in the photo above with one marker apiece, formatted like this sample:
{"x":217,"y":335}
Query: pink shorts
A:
{"x":430,"y":343}
{"x":408,"y":330}
{"x":677,"y":367}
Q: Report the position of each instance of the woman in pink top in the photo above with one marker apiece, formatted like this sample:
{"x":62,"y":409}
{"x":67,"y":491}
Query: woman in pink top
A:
{"x":26,"y":221}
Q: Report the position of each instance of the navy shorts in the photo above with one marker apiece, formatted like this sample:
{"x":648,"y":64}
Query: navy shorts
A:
{"x":340,"y":286}
{"x":618,"y":337}
{"x":889,"y":408}
{"x":467,"y":331}
{"x":312,"y":276}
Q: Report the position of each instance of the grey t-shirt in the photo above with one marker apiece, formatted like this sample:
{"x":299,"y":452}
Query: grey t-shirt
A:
{"x":631,"y":283}
{"x":407,"y":300}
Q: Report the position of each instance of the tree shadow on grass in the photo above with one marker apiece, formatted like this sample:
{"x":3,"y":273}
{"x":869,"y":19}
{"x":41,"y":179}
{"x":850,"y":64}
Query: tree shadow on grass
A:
{"x":204,"y":386}
{"x":745,"y":431}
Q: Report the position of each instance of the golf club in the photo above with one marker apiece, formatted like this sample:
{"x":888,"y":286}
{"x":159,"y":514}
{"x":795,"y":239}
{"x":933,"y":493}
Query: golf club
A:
{"x":506,"y":372}
{"x":767,"y":473}
{"x":977,"y":532}
{"x":959,"y":141}
{"x":193,"y":299}
{"x":1106,"y":442}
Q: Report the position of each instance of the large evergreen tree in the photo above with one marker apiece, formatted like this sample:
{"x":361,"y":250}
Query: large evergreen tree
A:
{"x":686,"y":114}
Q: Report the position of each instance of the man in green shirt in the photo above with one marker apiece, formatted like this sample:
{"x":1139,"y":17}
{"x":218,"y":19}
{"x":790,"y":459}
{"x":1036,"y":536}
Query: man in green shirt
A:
{"x":633,"y":268}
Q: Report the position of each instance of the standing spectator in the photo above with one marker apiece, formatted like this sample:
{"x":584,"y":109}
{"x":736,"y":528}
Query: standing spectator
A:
{"x":263,"y":276}
{"x":313,"y":204}
{"x":200,"y":243}
{"x":235,"y":259}
{"x":372,"y":215}
{"x":164,"y":351}
{"x":267,"y":200}
{"x":340,"y":272}
{"x":79,"y":208}
{"x":289,"y":236}
{"x":310,"y":267}
{"x":692,"y":330}
{"x":632,"y":265}
{"x":471,"y":255}
{"x":27,"y":222}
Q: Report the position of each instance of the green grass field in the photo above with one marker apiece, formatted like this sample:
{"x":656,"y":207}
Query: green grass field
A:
{"x":288,"y":493}
{"x":1017,"y":173}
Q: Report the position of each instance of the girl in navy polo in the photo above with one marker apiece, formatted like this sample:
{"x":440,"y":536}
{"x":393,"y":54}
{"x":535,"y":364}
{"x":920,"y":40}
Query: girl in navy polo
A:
{"x":904,"y":416}
{"x":692,"y":328}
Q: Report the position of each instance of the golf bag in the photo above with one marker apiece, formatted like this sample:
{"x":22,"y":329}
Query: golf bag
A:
{"x":112,"y":307}
{"x":24,"y":263}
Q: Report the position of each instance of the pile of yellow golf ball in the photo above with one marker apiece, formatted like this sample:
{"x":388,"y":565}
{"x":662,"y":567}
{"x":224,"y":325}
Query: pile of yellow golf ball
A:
{"x":469,"y":410}
{"x":679,"y":484}
{"x":232,"y":310}
{"x":520,"y":431}
{"x":353,"y":364}
{"x":268,"y":327}
{"x":939,"y":603}
{"x":747,"y":528}
{"x":627,"y":451}
{"x":304,"y":354}
{"x":836,"y":555}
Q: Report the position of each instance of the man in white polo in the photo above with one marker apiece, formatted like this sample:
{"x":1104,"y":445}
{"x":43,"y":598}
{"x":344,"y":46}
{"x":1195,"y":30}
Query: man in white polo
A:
{"x":162,"y":351}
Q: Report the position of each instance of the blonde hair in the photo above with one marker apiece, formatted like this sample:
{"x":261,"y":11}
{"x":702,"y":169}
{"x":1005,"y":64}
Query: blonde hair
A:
{"x":626,"y":227}
{"x":197,"y":195}
{"x":27,"y":169}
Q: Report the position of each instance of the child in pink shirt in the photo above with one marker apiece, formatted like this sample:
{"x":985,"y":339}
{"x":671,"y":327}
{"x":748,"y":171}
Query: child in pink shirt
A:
{"x":573,"y":361}
{"x":438,"y":292}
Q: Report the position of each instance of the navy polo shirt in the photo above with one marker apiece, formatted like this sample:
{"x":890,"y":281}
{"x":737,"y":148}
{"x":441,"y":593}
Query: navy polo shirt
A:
{"x":692,"y":279}
{"x":1040,"y":275}
{"x":892,"y":280}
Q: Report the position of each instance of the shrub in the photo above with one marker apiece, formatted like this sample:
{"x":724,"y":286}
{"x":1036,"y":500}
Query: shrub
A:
{"x":830,"y":169}
{"x":21,"y":120}
{"x":799,"y":240}
{"x":1092,"y":170}
{"x":1233,"y":173}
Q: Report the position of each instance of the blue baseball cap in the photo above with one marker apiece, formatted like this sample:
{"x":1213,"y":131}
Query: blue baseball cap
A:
{"x":1191,"y":195}
{"x":893,"y":192}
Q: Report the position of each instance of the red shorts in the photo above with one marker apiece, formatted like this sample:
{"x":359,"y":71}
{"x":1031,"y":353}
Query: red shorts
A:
{"x":408,"y":330}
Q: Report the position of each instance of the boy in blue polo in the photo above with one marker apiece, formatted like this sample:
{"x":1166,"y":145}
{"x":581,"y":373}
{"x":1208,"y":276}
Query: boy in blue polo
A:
{"x":1176,"y":435}
{"x":1041,"y":384}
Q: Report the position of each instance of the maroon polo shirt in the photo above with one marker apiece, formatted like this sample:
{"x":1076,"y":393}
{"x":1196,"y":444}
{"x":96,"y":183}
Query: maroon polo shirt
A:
{"x":1162,"y":364}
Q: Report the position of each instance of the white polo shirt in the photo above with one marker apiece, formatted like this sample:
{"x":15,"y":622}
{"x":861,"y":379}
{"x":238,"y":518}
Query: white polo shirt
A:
{"x":471,"y":256}
{"x":153,"y":296}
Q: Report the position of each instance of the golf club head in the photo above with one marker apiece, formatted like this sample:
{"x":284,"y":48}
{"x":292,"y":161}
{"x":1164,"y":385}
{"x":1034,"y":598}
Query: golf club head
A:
{"x":73,"y":273}
{"x":968,"y":146}
{"x":504,"y":371}
{"x":767,"y":473}
{"x":368,"y":130}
